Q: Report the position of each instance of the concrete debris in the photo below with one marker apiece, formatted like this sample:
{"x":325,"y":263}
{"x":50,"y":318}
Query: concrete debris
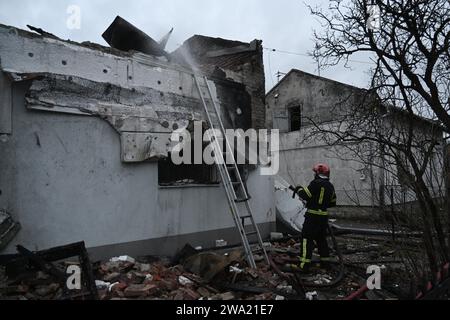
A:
{"x":221,"y":243}
{"x":123,"y":259}
{"x":311,"y":295}
{"x":234,"y":269}
{"x":204,"y":292}
{"x":148,"y":277}
{"x":252,"y":272}
{"x":102,"y":284}
{"x":258,"y":257}
{"x":285,"y":289}
{"x":140,"y":290}
{"x":276,"y":236}
{"x":111,"y":277}
{"x":224,"y":296}
{"x":321,"y":279}
{"x":45,"y":275}
{"x":144,"y":267}
{"x":221,"y":275}
{"x":184,"y":281}
{"x":209,"y":264}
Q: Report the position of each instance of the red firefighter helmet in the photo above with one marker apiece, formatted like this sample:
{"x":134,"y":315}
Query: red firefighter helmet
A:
{"x":322,"y":169}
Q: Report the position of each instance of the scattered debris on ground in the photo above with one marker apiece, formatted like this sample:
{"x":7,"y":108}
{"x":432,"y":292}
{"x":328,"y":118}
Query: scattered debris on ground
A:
{"x":218,"y":274}
{"x":46,"y":275}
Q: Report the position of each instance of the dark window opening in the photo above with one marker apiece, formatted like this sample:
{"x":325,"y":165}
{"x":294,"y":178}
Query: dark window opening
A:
{"x":295,"y":121}
{"x":170,"y":174}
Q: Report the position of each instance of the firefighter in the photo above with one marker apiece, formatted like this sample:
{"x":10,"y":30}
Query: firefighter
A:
{"x":319,"y":196}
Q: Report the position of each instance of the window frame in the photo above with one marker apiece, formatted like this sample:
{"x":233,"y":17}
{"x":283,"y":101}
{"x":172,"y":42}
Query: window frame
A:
{"x":291,"y":109}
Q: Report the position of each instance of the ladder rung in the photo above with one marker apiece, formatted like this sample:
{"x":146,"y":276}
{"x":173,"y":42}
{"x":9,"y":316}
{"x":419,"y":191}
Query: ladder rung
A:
{"x":214,"y":120}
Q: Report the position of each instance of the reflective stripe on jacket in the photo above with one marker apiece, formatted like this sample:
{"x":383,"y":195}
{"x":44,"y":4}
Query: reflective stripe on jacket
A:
{"x":319,"y":196}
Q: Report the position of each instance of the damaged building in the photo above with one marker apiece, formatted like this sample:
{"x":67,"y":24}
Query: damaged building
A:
{"x":87,"y":182}
{"x":85,"y":138}
{"x":302,"y":102}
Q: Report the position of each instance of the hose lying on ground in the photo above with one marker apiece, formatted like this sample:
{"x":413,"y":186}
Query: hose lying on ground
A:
{"x":342,"y":270}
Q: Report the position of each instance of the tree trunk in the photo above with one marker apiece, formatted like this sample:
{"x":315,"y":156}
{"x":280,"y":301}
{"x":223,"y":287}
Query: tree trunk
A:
{"x":447,"y":193}
{"x":433,"y":211}
{"x":428,"y":237}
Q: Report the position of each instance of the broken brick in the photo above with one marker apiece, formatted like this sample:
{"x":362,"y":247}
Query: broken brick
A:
{"x":111,"y":277}
{"x":140,"y":290}
{"x":20,"y":289}
{"x":190,"y":294}
{"x":143,"y":267}
{"x":225,"y":296}
{"x":204,"y":292}
{"x":179,"y":296}
{"x":168,"y":285}
{"x":136,"y":277}
{"x":119,"y":286}
{"x":46,"y":290}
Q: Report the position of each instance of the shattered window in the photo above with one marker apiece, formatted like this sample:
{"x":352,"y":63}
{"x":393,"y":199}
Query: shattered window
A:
{"x":170,"y":174}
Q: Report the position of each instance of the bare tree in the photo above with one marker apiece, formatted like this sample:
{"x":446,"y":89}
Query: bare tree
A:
{"x":399,"y":124}
{"x":410,"y":47}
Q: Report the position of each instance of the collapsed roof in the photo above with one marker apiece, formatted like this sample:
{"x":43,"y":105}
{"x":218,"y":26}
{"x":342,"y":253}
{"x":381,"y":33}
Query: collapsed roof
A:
{"x":144,"y":96}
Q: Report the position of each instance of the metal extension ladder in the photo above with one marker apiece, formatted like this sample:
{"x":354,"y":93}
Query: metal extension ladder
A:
{"x":235,"y":188}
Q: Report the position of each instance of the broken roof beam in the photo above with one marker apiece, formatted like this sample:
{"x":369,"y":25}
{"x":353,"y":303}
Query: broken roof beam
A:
{"x":124,"y":36}
{"x":233,"y":50}
{"x":143,"y":98}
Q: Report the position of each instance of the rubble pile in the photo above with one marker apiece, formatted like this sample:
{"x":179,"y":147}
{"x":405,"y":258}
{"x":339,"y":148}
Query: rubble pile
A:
{"x":223,"y":274}
{"x":125,"y":278}
{"x":31,"y":286}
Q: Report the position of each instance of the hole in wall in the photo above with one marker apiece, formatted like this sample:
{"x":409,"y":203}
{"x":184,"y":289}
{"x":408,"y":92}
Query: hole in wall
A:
{"x":31,"y":54}
{"x":64,"y":62}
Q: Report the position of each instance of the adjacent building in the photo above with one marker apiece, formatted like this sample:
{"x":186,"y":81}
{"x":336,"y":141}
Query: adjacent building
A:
{"x":301,"y":102}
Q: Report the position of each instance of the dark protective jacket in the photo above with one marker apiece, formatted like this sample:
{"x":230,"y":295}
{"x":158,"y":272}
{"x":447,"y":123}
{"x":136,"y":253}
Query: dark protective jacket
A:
{"x":319,"y":196}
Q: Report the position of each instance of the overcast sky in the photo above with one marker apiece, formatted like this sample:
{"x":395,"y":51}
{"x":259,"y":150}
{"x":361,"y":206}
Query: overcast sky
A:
{"x":283,"y":24}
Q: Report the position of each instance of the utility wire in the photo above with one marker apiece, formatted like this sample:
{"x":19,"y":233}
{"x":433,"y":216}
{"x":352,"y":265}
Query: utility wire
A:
{"x":307,"y":55}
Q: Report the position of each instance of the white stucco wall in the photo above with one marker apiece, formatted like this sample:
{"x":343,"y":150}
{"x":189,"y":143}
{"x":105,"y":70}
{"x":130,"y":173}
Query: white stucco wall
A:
{"x":352,"y":181}
{"x":62,"y":178}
